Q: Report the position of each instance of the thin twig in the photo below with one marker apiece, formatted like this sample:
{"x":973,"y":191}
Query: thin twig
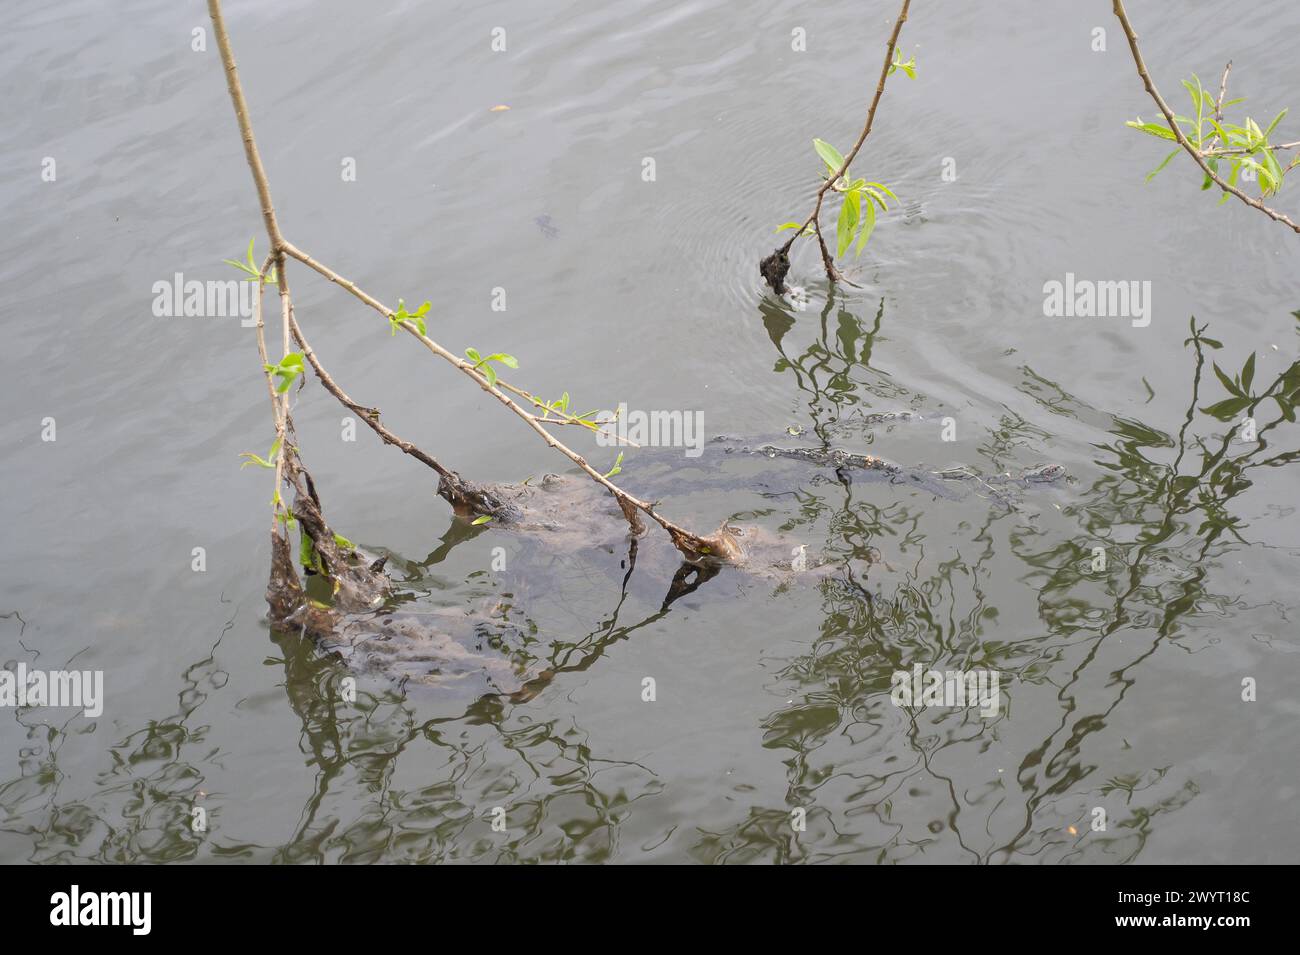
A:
{"x":1242,"y":151}
{"x":1218,"y":107}
{"x":1223,"y":91}
{"x":1178,"y":132}
{"x":369,"y":415}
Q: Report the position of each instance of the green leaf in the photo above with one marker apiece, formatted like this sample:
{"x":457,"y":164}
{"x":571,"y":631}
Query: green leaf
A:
{"x":1232,"y":181}
{"x":472,"y":355}
{"x":307,"y":555}
{"x":1228,"y":138}
{"x":344,"y":543}
{"x":510,"y":361}
{"x":490,"y":374}
{"x":868,"y":227}
{"x":879,"y":199}
{"x":480,"y":520}
{"x":267,"y":462}
{"x":1248,"y":373}
{"x":1153,"y":129}
{"x":1273,"y":170}
{"x":847,"y":221}
{"x":1165,"y":162}
{"x":618,"y":466}
{"x":830,"y":155}
{"x":1276,"y":119}
{"x":909,"y":67}
{"x":239,"y":265}
{"x":250,"y":268}
{"x":416,"y":318}
{"x":289,"y":368}
{"x":883,"y":188}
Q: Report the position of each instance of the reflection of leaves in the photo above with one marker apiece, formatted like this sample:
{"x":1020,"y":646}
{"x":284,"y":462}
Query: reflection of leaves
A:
{"x":1228,"y":383}
{"x":1239,"y":387}
{"x":1226,"y":410}
{"x":1166,"y":501}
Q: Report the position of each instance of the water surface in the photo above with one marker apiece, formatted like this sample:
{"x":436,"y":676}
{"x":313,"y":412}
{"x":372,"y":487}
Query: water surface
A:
{"x":1122,"y":689}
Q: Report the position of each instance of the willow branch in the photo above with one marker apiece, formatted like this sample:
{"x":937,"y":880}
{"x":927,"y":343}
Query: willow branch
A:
{"x":862,"y":138}
{"x":678,"y":533}
{"x":282,"y":417}
{"x":1179,"y":135}
{"x":245,"y":125}
{"x":688,"y":543}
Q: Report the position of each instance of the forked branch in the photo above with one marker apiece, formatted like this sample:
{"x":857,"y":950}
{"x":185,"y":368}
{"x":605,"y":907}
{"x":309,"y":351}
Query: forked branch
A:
{"x":1181,"y":137}
{"x":720,"y":545}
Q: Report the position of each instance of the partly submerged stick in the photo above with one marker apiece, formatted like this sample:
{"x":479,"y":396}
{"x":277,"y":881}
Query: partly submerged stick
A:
{"x":694,"y":547}
{"x":776,"y":265}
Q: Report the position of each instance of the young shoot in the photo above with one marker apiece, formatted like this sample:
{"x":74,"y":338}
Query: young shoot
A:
{"x":289,"y":368}
{"x":1246,"y":148}
{"x":617,"y":468}
{"x":897,"y":64}
{"x":416,"y":318}
{"x":857,"y":218}
{"x":266,"y":462}
{"x":254,"y":273}
{"x":484,"y":364}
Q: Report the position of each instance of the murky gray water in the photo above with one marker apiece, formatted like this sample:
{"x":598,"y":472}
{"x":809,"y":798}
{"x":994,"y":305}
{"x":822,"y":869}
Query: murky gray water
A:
{"x":1121,"y":689}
